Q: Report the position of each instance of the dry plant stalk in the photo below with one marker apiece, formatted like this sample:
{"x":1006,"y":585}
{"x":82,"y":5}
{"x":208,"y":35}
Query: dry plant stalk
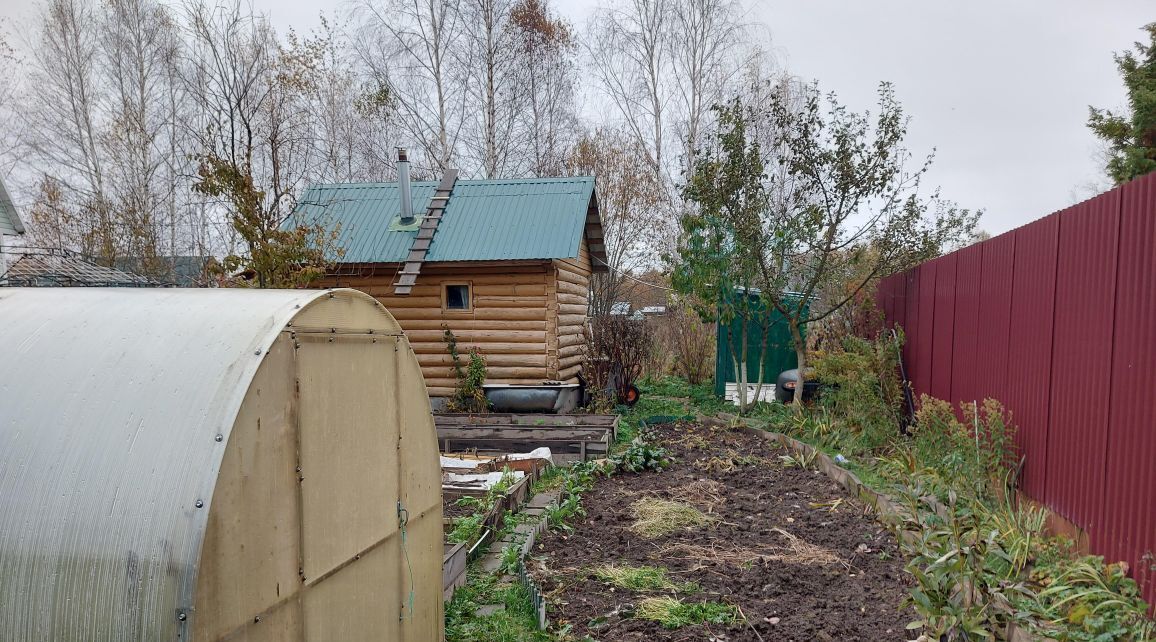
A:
{"x":804,"y":552}
{"x":796,"y":551}
{"x":715,"y":465}
{"x":705,"y":493}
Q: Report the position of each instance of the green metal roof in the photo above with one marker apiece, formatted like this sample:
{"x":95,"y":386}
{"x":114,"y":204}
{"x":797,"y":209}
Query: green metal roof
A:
{"x":9,"y":218}
{"x":485,"y":220}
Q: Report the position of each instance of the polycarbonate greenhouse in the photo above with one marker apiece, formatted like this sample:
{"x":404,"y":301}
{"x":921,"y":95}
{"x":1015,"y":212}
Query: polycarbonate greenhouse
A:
{"x":214,"y":464}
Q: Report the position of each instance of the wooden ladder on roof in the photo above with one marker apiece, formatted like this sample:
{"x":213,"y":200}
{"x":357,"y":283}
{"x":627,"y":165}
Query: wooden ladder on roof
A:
{"x":425,"y":233}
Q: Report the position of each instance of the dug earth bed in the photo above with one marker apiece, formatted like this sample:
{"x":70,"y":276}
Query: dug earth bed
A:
{"x":734,"y":541}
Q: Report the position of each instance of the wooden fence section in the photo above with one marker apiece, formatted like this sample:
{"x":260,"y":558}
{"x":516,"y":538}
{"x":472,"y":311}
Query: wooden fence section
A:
{"x":1057,"y":320}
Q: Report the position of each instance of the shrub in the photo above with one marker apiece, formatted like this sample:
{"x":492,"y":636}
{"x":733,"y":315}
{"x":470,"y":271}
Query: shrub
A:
{"x":863,"y":389}
{"x":691,"y":343}
{"x":977,"y":453}
{"x":469,"y":393}
{"x":618,"y":347}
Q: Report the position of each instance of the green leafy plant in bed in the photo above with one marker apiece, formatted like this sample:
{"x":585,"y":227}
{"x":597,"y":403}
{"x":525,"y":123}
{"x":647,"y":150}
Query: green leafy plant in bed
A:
{"x":1083,"y":599}
{"x":468,"y":529}
{"x":575,"y":481}
{"x":955,"y":562}
{"x":642,"y":455}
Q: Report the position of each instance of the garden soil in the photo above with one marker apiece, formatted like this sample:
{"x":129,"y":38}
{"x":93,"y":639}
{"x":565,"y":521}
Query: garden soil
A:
{"x":800,"y":559}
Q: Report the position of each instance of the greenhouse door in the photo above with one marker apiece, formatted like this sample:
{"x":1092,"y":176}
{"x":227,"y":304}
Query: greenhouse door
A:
{"x":350,"y":542}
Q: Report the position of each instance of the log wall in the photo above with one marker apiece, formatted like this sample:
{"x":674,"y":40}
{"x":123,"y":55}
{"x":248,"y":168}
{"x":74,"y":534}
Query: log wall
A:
{"x":567,"y":351}
{"x":527,"y":316}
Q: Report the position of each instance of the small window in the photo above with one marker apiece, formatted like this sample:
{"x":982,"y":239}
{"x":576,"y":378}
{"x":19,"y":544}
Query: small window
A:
{"x":457,"y":296}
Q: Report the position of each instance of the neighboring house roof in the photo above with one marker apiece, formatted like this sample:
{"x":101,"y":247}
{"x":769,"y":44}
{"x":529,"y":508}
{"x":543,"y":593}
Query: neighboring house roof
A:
{"x":484,"y":220}
{"x":620,"y":307}
{"x":10,"y":222}
{"x":179,"y":271}
{"x":39,"y":267}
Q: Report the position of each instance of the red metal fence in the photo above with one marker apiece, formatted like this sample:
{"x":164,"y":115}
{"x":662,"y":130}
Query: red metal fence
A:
{"x":1057,"y":320}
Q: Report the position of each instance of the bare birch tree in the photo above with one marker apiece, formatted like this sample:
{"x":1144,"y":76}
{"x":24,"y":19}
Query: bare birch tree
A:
{"x":708,"y":51}
{"x":490,"y":55}
{"x":62,"y":112}
{"x":548,"y":119}
{"x":630,"y":54}
{"x":410,"y":49}
{"x":9,"y":84}
{"x":141,"y":46}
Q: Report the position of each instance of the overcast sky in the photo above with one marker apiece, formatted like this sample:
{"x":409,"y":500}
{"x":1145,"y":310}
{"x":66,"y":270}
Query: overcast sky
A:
{"x":1000,"y":88}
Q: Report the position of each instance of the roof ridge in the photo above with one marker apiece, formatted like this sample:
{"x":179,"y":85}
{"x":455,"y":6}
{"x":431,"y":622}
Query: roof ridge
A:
{"x":465,"y":181}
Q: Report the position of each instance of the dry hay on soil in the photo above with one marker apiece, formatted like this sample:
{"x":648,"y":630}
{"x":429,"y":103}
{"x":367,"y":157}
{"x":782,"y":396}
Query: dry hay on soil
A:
{"x":705,"y":493}
{"x":657,"y":517}
{"x":796,"y":551}
{"x":729,"y":462}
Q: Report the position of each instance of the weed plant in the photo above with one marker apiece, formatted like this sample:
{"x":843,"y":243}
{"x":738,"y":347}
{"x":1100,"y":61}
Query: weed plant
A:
{"x":642,"y":455}
{"x":675,"y":614}
{"x":470,"y":376}
{"x":468,"y":529}
{"x":516,"y":622}
{"x":641,"y":578}
{"x":1083,"y":599}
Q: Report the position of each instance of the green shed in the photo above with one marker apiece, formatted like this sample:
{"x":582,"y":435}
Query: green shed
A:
{"x":778,"y":355}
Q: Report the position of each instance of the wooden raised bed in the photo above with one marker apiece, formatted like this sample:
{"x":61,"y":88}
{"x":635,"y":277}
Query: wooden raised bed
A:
{"x":579,"y":437}
{"x":454,"y":561}
{"x":517,"y":495}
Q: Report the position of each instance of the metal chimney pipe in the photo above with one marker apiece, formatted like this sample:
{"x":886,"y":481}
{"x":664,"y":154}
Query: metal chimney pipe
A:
{"x":403,"y":186}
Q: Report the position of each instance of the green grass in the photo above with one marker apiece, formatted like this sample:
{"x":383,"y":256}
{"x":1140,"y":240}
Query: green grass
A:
{"x":517,"y":623}
{"x":675,"y":614}
{"x":641,"y":578}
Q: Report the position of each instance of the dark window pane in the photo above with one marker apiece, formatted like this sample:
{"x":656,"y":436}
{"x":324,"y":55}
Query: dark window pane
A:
{"x":457,"y":297}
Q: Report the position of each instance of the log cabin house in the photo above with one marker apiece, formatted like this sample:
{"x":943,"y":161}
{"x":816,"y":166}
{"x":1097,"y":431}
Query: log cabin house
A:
{"x":505,"y":264}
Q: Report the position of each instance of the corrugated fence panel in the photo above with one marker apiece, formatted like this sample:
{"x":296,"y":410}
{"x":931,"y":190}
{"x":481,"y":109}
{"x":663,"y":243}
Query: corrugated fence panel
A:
{"x":994,"y":317}
{"x":1028,"y":382}
{"x":1057,"y":320}
{"x":1129,"y":525}
{"x":885,"y":296}
{"x":921,"y":380}
{"x":911,"y":322}
{"x":941,"y":356}
{"x":899,"y":310}
{"x":964,"y":355}
{"x":1082,"y":358}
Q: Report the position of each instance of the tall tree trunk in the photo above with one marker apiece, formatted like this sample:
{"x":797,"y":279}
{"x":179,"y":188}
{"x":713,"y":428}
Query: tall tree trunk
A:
{"x":801,"y":358}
